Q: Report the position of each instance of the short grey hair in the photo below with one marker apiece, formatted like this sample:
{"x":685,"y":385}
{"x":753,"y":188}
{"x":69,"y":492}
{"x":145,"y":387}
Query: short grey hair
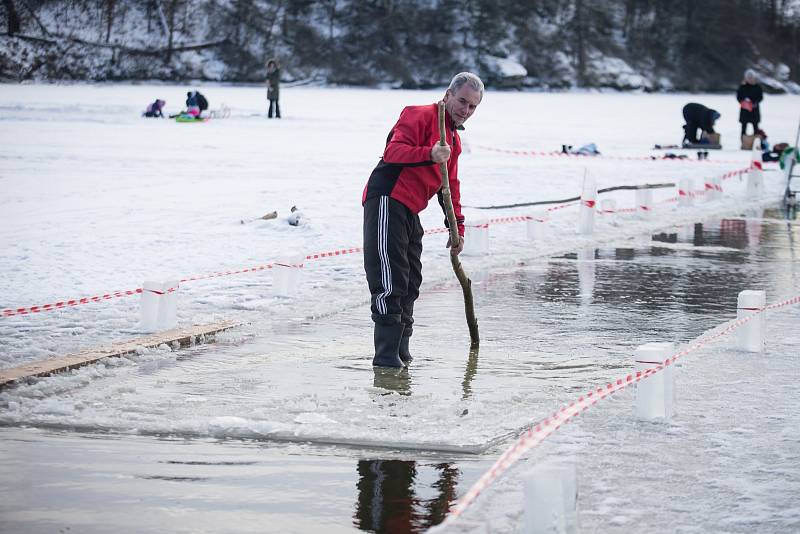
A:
{"x":465,"y":78}
{"x":750,"y":73}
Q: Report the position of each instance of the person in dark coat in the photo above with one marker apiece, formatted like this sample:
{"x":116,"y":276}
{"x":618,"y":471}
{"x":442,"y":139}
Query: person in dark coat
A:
{"x":698,"y":116}
{"x":273,"y":87}
{"x":749,"y":96}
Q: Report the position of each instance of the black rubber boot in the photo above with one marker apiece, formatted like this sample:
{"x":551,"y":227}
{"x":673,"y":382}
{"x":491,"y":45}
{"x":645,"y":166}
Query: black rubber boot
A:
{"x":387,"y":345}
{"x":405,"y":356}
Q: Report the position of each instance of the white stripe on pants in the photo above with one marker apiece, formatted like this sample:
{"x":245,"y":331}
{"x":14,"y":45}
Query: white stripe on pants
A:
{"x":383,"y":253}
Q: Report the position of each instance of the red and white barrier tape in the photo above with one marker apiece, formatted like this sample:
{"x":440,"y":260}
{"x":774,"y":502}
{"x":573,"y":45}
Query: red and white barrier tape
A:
{"x":342,"y":252}
{"x":562,"y":206}
{"x":708,"y":186}
{"x":228,"y":273}
{"x":69,"y":303}
{"x":544,"y":428}
{"x":558,"y":154}
{"x":311,"y":257}
{"x":157,"y":292}
{"x":514,"y":218}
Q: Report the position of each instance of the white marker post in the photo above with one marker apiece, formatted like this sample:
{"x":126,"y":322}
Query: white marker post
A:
{"x":717,"y":183}
{"x":588,"y":201}
{"x":751,"y":335}
{"x":168,"y":310}
{"x":535,"y":227}
{"x":151,"y":294}
{"x":755,"y":178}
{"x":655,"y":393}
{"x":159,"y":305}
{"x":608,"y":207}
{"x":685,"y":192}
{"x":644,"y":203}
{"x":710,"y":192}
{"x":476,"y":239}
{"x":287,"y":276}
{"x":551,"y":499}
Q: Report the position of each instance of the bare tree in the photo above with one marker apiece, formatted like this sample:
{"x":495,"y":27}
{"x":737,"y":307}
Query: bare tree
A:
{"x":12,"y":18}
{"x":110,"y":4}
{"x":172,"y":9}
{"x":580,"y":41}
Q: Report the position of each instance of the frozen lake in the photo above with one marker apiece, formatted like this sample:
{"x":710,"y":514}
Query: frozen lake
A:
{"x":283,"y":422}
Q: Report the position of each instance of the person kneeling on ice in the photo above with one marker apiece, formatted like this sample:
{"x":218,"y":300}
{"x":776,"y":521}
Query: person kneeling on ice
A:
{"x":196,"y":103}
{"x":156,"y":109}
{"x":400,"y":186}
{"x":192,"y":107}
{"x":697,"y":116}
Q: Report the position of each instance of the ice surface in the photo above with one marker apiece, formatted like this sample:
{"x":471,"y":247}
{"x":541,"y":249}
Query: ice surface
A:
{"x":727,"y":461}
{"x":97,"y":199}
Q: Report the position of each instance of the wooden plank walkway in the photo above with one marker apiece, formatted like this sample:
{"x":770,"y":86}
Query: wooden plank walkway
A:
{"x":184,"y":336}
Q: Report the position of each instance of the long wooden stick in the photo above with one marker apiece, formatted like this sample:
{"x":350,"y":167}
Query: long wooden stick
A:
{"x":466,"y":283}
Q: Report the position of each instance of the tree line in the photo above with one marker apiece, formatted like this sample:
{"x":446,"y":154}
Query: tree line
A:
{"x":657,"y":44}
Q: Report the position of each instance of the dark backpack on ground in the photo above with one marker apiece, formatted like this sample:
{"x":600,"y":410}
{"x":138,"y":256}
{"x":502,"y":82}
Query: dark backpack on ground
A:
{"x":202,"y":102}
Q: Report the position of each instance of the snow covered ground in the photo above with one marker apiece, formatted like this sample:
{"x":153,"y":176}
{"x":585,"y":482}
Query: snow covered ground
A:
{"x":97,"y":199}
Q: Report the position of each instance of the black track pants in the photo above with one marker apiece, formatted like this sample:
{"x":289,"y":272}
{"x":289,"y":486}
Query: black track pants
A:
{"x":392,"y":251}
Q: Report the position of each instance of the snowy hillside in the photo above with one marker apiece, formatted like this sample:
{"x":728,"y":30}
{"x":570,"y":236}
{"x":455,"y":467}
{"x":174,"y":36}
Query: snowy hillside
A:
{"x":410,"y":44}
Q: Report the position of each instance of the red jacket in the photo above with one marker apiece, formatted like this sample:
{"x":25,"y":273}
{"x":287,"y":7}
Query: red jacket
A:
{"x":406,"y":172}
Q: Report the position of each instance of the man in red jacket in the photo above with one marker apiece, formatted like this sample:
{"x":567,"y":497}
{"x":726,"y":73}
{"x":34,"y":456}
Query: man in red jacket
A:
{"x":400,"y":186}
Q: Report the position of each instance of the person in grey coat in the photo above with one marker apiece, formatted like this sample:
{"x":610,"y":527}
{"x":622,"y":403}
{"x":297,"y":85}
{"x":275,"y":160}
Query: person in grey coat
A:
{"x":273,"y":87}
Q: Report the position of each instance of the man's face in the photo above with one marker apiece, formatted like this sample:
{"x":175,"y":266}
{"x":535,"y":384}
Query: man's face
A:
{"x":461,"y":104}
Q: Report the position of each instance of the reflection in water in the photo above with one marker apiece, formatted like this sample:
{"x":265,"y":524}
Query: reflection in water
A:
{"x":390,"y":497}
{"x":730,"y":233}
{"x":586,"y":273}
{"x":665,"y":237}
{"x":733,"y":232}
{"x":658,"y":278}
{"x":624,"y":254}
{"x":697,"y":239}
{"x":754,"y":228}
{"x":397,"y":380}
{"x":561,"y":282}
{"x":469,"y":373}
